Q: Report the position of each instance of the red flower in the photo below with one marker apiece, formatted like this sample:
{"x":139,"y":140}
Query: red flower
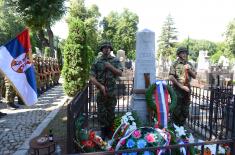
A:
{"x":150,"y":138}
{"x":92,"y":135}
{"x":111,"y":149}
{"x":123,"y":142}
{"x":83,"y":142}
{"x":89,"y":144}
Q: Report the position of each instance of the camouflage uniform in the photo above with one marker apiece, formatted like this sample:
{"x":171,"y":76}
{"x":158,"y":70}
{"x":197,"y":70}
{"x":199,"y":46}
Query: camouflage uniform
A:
{"x":2,"y":86}
{"x":181,"y":111}
{"x":106,"y":104}
{"x":57,"y":71}
{"x":10,"y":92}
{"x":35,"y":62}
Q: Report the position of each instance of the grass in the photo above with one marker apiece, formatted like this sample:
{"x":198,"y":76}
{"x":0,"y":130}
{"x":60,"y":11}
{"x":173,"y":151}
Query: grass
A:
{"x":59,"y":128}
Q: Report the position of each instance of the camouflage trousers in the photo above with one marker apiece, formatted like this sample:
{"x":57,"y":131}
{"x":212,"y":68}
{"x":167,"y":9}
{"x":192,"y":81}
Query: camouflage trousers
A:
{"x":106,"y":109}
{"x":10,"y":92}
{"x":181,"y":111}
{"x":2,"y":87}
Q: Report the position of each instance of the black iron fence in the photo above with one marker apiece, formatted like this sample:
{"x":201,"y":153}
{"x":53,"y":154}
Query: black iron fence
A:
{"x":212,"y":114}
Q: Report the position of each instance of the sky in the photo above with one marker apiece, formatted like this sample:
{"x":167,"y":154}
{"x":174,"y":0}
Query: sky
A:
{"x":198,"y":19}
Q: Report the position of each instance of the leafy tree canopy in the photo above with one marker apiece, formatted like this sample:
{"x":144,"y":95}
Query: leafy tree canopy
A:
{"x":121,"y":30}
{"x":230,"y":36}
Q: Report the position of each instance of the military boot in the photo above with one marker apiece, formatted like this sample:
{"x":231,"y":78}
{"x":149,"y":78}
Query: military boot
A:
{"x":12,"y":105}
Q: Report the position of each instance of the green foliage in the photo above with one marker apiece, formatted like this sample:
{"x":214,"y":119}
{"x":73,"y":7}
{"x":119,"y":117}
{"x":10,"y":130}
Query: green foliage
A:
{"x":230,"y":36}
{"x":195,"y":46}
{"x":38,"y":14}
{"x":47,"y":52}
{"x":80,"y":45}
{"x":10,"y":23}
{"x":215,"y":57}
{"x":89,"y":17}
{"x":76,"y":59}
{"x":121,"y":29}
{"x":222,"y":49}
{"x":167,"y":39}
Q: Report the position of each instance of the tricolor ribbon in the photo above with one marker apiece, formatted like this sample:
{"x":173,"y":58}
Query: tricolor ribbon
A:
{"x":161,"y":98}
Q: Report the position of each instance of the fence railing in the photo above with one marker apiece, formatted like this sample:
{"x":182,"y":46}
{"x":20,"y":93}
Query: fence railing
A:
{"x":212,"y":113}
{"x":78,"y":106}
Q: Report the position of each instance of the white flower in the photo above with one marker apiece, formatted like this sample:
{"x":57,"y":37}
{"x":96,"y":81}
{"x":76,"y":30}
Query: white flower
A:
{"x":128,"y":114}
{"x":191,"y":138}
{"x":124,"y":119}
{"x":131,"y":118}
{"x":221,"y":150}
{"x":179,"y":130}
{"x":133,"y":124}
{"x":132,"y":127}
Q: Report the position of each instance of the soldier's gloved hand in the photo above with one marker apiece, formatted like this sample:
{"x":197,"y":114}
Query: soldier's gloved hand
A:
{"x":107,"y":65}
{"x":187,"y":66}
{"x":103,"y":90}
{"x":185,"y":88}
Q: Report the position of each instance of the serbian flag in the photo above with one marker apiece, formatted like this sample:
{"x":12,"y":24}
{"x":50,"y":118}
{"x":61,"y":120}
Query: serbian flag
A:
{"x":161,"y":98}
{"x":16,"y":65}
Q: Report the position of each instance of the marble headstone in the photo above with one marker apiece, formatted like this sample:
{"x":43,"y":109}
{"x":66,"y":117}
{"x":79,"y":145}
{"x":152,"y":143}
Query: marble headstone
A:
{"x":203,"y":61}
{"x":122,"y":57}
{"x":145,"y":64}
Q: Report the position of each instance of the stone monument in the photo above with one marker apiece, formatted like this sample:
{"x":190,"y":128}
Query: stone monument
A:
{"x":203,"y":61}
{"x":122,"y":57}
{"x":145,"y":71}
{"x":203,"y":67}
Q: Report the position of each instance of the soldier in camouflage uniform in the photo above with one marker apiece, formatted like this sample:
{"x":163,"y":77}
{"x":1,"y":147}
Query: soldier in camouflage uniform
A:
{"x":42,"y":74}
{"x":2,"y":84}
{"x":181,"y":73}
{"x":104,"y":73}
{"x":57,"y":71}
{"x":35,"y":63}
{"x":10,"y":94}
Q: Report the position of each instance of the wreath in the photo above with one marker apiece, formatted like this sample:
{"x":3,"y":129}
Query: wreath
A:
{"x":149,"y":99}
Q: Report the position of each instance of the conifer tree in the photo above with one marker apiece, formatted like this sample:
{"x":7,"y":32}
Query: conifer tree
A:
{"x":167,"y":39}
{"x":75,"y":70}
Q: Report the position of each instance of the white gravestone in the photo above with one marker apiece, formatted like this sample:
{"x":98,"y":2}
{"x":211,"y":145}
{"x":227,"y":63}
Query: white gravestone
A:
{"x":203,"y":67}
{"x":223,"y":61}
{"x":145,"y":63}
{"x":203,"y":61}
{"x":121,"y":56}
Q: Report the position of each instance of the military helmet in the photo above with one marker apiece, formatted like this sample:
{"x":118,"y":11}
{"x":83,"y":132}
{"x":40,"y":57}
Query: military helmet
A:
{"x":181,"y":49}
{"x":106,"y":44}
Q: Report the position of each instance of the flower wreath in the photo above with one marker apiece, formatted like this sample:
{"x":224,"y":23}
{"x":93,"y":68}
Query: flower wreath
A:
{"x":149,"y":99}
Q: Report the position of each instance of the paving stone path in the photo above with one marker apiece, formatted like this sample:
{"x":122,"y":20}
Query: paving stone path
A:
{"x":21,"y":125}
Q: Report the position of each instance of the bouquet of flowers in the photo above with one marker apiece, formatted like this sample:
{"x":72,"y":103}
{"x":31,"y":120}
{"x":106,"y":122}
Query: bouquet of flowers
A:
{"x":128,"y":136}
{"x":90,"y":142}
{"x":87,"y":140}
{"x":142,"y":138}
{"x":211,"y":149}
{"x":126,"y":126}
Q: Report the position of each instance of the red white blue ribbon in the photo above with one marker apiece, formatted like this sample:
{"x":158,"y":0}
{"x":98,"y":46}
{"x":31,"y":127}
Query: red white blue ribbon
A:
{"x":161,"y":98}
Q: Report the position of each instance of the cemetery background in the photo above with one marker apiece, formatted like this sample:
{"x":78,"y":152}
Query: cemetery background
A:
{"x":123,"y":37}
{"x":207,"y":114}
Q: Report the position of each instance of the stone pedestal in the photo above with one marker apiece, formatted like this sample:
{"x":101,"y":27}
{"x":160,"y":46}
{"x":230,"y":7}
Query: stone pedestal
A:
{"x":145,"y":64}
